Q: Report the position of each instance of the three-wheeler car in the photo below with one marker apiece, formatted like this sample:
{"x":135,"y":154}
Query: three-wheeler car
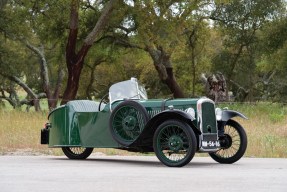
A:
{"x":174,"y":129}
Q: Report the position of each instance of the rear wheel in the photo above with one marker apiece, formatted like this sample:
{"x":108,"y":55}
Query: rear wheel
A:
{"x":174,"y":143}
{"x":77,"y":152}
{"x":233,"y":144}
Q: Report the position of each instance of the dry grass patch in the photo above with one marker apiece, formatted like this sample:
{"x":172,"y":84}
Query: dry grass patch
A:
{"x":266,"y":130}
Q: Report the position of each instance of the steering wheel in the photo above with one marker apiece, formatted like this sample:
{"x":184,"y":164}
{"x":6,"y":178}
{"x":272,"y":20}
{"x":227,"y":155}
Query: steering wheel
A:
{"x":105,"y":100}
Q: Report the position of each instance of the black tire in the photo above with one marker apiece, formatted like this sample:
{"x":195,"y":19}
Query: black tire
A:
{"x":127,"y":121}
{"x":174,"y":143}
{"x":77,"y":152}
{"x":234,"y":144}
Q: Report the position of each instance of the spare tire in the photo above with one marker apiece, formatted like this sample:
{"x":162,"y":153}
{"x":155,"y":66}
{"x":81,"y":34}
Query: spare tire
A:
{"x":127,"y":121}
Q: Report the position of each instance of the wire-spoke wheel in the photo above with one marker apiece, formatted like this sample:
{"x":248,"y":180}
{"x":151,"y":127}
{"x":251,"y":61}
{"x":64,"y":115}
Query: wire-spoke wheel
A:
{"x":127,"y":121}
{"x":233,"y":144}
{"x":77,"y":152}
{"x":174,"y":143}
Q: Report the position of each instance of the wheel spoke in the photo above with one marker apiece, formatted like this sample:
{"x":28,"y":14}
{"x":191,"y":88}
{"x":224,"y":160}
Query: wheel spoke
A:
{"x":77,"y":150}
{"x":128,"y":121}
{"x":232,"y":143}
{"x":173,"y":143}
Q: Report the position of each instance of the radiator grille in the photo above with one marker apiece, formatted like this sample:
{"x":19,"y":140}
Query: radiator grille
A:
{"x":208,"y":118}
{"x":154,"y":112}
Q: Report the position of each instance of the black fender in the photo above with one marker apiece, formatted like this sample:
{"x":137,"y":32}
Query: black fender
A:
{"x":145,"y":139}
{"x":228,"y":114}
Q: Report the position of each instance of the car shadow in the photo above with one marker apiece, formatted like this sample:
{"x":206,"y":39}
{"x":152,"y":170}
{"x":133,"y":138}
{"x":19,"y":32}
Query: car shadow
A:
{"x":136,"y":162}
{"x":128,"y":161}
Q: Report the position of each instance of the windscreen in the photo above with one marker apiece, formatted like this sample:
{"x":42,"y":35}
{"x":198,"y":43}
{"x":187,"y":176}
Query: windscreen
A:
{"x":129,"y":89}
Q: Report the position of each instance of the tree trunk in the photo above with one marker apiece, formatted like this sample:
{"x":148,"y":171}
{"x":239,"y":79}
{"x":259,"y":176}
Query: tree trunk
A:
{"x":173,"y":85}
{"x":192,"y":43}
{"x":74,"y":72}
{"x":164,"y":68}
{"x":52,"y":98}
{"x":234,"y":62}
{"x":92,"y":77}
{"x":193,"y":66}
{"x":75,"y":61}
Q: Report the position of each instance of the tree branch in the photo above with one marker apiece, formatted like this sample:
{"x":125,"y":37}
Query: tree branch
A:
{"x":240,"y":87}
{"x":11,"y":102}
{"x":18,"y":81}
{"x":43,"y":65}
{"x":101,"y":22}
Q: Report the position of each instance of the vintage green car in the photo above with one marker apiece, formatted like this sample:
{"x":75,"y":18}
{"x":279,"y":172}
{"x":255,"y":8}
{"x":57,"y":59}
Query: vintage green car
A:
{"x":172,"y":128}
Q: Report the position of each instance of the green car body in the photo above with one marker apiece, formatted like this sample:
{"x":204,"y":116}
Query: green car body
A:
{"x":74,"y":124}
{"x":132,"y":124}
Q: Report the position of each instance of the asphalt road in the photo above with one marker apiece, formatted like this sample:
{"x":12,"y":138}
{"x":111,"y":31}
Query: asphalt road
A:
{"x":138,"y":174}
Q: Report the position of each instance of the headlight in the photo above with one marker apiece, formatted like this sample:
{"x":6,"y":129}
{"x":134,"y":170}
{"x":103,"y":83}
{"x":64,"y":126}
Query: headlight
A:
{"x":191,"y":112}
{"x":218,"y":113}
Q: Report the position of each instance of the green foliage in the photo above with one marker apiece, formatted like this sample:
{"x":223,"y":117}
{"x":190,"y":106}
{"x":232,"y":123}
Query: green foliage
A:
{"x":121,"y":66}
{"x":23,"y":32}
{"x":274,"y":35}
{"x":246,"y":41}
{"x":242,"y":25}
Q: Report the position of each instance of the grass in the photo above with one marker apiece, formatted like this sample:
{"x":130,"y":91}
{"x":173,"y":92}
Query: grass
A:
{"x":266,"y":130}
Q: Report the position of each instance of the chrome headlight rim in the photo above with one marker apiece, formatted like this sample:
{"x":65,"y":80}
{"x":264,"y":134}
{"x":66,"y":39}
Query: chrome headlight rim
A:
{"x":218,"y":114}
{"x":191,"y":112}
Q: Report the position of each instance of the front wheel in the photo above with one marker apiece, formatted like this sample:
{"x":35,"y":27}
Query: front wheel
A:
{"x":233,"y":144}
{"x":174,"y":143}
{"x":77,"y":152}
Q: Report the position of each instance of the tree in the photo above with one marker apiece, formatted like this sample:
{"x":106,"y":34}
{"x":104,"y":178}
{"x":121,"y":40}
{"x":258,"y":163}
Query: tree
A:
{"x":74,"y":59}
{"x":271,"y":65}
{"x":158,"y":29}
{"x":28,"y":33}
{"x":52,"y":96}
{"x":197,"y":36}
{"x":166,"y":44}
{"x":240,"y":21}
{"x":3,"y":3}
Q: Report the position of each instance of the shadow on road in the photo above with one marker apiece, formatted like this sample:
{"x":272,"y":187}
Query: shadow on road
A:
{"x":135,"y":162}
